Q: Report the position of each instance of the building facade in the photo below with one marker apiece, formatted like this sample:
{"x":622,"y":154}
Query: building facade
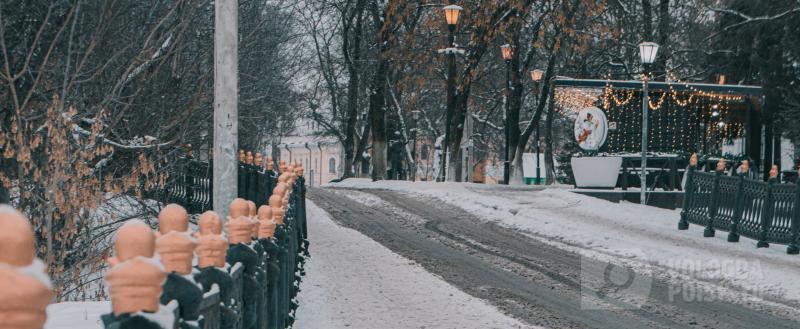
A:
{"x":321,"y":156}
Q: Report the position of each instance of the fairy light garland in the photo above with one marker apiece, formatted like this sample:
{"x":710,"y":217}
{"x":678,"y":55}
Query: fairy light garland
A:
{"x":657,"y":105}
{"x":677,"y":115}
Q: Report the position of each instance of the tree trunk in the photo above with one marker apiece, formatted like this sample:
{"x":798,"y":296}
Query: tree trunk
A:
{"x":647,"y":18}
{"x":377,"y":118}
{"x":549,"y":164}
{"x":352,"y":87}
{"x":517,"y":176}
{"x":663,"y":35}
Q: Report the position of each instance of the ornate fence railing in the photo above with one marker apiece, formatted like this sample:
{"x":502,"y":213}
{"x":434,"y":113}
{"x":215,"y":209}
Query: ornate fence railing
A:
{"x":257,"y":286}
{"x":768,"y":212}
{"x":190,"y":184}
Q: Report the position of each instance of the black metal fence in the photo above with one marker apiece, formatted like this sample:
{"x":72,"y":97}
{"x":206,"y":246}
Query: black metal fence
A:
{"x":259,"y":287}
{"x":768,"y":212}
{"x":190,"y":184}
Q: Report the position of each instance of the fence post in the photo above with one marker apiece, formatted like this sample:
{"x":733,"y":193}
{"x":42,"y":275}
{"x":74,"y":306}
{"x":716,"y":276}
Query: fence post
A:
{"x":793,"y":248}
{"x":683,"y":224}
{"x":712,"y":207}
{"x":211,"y":250}
{"x":250,"y":175}
{"x":24,"y":297}
{"x":266,"y":233}
{"x":279,"y":238}
{"x":301,"y":202}
{"x":767,"y":212}
{"x":733,"y":235}
{"x":176,"y":250}
{"x":240,"y":235}
{"x":260,"y":181}
{"x":134,"y":279}
{"x":241,"y":175}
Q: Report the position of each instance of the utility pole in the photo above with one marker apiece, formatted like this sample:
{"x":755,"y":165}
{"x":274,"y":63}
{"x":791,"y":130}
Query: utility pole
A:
{"x":226,"y":99}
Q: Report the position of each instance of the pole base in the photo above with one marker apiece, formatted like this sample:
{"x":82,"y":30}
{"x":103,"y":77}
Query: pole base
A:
{"x":683,"y":225}
{"x":709,"y":232}
{"x":733,"y":237}
{"x":762,"y":244}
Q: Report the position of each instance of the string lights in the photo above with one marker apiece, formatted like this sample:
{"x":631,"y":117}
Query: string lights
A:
{"x":684,"y":118}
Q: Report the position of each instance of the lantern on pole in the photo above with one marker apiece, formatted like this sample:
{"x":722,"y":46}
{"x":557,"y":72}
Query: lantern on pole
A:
{"x":507,"y":51}
{"x":648,"y":52}
{"x":647,"y":55}
{"x":536,"y":75}
{"x":451,"y":14}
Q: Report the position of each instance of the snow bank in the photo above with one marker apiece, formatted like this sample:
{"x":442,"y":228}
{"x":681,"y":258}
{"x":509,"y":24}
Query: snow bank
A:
{"x":354,"y":282}
{"x":603,"y":230}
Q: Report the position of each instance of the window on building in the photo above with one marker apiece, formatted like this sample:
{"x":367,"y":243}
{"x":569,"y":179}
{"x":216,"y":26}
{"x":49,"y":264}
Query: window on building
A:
{"x":424,"y":152}
{"x":332,"y":166}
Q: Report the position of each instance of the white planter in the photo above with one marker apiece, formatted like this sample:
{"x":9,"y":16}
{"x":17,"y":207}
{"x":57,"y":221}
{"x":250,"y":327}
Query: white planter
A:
{"x":596,"y":172}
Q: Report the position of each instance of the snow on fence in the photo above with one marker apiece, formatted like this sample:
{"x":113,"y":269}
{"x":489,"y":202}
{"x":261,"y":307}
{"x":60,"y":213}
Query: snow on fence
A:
{"x":254,"y":285}
{"x":768,"y":212}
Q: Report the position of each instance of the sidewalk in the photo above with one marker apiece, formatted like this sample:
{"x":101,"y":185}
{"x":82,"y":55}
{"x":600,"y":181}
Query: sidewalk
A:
{"x":354,"y":282}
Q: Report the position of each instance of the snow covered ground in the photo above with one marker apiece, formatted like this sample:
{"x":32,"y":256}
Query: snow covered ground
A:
{"x":351,"y":282}
{"x":76,"y":315}
{"x":354,"y":282}
{"x":641,"y":237}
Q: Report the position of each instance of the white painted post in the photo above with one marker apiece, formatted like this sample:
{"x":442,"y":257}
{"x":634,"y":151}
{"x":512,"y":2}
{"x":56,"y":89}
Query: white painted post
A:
{"x":226,"y":98}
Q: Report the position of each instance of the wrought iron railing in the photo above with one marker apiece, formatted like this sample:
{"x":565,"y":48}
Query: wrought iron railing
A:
{"x":768,"y":212}
{"x":238,"y":297}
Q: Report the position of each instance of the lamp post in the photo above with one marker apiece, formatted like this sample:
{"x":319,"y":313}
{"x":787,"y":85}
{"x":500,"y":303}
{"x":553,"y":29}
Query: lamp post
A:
{"x":647,"y":54}
{"x":536,"y":76}
{"x":451,"y":14}
{"x":508,"y":54}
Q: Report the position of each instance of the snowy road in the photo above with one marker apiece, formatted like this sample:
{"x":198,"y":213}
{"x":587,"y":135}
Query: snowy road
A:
{"x":533,"y":281}
{"x":354,"y":282}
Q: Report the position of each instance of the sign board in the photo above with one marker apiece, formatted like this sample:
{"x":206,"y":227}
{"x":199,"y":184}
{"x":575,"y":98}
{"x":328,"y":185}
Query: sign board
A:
{"x":591,"y":128}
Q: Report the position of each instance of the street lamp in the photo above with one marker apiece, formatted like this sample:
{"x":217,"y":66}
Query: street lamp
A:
{"x":648,"y":52}
{"x":451,"y":14}
{"x":647,"y":55}
{"x":536,"y":76}
{"x":508,"y":54}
